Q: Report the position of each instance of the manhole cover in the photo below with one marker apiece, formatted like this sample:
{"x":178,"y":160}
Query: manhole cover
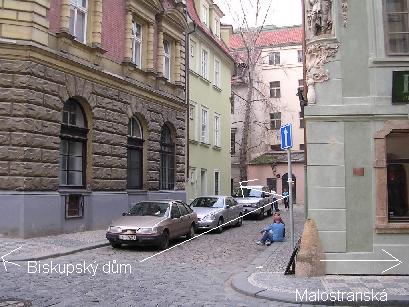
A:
{"x":14,"y":302}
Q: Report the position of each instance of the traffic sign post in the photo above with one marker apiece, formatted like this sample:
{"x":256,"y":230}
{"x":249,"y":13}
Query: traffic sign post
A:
{"x":287,"y":143}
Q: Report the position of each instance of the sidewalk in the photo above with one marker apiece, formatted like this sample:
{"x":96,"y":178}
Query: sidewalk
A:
{"x":51,"y":246}
{"x":265,"y":279}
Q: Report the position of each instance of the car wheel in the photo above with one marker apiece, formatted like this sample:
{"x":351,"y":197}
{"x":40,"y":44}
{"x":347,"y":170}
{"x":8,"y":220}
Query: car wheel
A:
{"x":261,"y":214}
{"x":239,"y":221}
{"x":164,"y":241}
{"x":191,"y":232}
{"x":219,"y":228}
{"x":115,"y":245}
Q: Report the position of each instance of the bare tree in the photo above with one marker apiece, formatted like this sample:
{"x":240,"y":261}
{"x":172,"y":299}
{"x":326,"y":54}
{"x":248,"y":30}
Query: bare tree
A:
{"x":250,"y":57}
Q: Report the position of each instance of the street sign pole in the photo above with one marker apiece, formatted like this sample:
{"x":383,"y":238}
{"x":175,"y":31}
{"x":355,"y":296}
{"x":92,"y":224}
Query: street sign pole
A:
{"x":290,"y":196}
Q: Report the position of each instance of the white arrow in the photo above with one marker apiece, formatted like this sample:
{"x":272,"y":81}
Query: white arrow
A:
{"x":285,"y":137}
{"x":370,"y":260}
{"x":5,"y":261}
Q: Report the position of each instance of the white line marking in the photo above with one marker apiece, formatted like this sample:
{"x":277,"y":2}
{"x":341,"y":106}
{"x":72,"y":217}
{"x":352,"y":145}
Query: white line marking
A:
{"x":207,"y":231}
{"x":5,"y":261}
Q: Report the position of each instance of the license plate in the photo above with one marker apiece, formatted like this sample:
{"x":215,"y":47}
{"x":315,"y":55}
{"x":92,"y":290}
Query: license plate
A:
{"x":126,"y":237}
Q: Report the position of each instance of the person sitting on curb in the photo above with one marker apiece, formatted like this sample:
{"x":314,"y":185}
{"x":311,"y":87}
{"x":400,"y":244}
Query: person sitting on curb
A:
{"x":274,"y":232}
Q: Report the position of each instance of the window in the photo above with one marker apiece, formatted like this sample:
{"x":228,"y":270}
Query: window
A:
{"x":203,"y":181}
{"x":73,"y":145}
{"x":135,"y":154}
{"x":192,"y":63}
{"x":233,"y":142}
{"x":397,"y":26}
{"x":302,"y":146}
{"x":204,"y":126}
{"x":397,"y":157}
{"x":217,"y":130}
{"x":217,"y":27}
{"x":167,"y":160}
{"x":192,"y":177}
{"x":182,"y":209}
{"x":192,"y":112}
{"x":301,"y":120}
{"x":174,"y":212}
{"x":136,"y":43}
{"x":300,"y":56}
{"x":275,"y":120}
{"x":216,"y":182}
{"x":166,"y":61}
{"x":78,"y":19}
{"x":272,"y":184}
{"x":205,"y":14}
{"x":204,"y":70}
{"x":274,"y":58}
{"x":275,"y":91}
{"x":74,"y":206}
{"x":217,"y":73}
{"x":275,"y":147}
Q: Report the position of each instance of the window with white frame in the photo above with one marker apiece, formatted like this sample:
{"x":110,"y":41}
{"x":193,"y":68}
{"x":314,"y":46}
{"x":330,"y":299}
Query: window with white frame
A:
{"x":275,"y":91}
{"x":397,"y":26}
{"x":217,"y":130}
{"x":204,"y":120}
{"x":78,"y":19}
{"x":275,"y":120}
{"x":216,"y":182}
{"x":166,"y":60}
{"x":217,"y":27}
{"x":204,"y":69}
{"x":192,"y":61}
{"x":136,"y":43}
{"x":205,"y":14}
{"x":274,"y":58}
{"x":217,"y":72}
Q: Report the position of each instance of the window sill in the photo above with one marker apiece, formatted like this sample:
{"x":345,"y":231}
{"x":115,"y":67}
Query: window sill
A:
{"x":75,"y":190}
{"x":194,"y":73}
{"x":218,"y":148}
{"x":136,"y":191}
{"x":217,"y":88}
{"x":389,"y":60}
{"x":204,"y":144}
{"x":194,"y":142}
{"x":393,"y":228}
{"x":205,"y":80}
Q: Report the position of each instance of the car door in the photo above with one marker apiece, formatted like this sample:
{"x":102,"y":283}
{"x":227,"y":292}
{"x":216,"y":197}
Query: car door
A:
{"x":185,"y":218}
{"x":176,"y":225}
{"x":236,"y":208}
{"x":229,"y":209}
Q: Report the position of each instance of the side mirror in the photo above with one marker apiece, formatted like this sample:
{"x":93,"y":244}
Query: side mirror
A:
{"x":227,"y":206}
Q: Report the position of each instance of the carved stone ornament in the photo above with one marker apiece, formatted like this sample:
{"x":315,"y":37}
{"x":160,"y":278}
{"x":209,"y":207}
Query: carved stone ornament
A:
{"x":344,"y":7}
{"x":319,"y":16}
{"x":317,"y":55}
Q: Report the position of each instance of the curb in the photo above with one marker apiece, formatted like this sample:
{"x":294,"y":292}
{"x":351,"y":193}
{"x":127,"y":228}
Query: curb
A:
{"x":64,"y":253}
{"x":240,"y":283}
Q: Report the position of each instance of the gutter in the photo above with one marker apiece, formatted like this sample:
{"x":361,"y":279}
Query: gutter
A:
{"x":305,"y":122}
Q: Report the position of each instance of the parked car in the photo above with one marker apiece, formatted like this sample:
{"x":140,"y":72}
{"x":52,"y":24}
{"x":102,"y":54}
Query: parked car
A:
{"x":153,"y":223}
{"x":255,"y":199}
{"x":213,"y":211}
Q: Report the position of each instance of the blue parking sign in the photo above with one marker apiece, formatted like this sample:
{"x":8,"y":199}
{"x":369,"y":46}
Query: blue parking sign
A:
{"x":286,"y":136}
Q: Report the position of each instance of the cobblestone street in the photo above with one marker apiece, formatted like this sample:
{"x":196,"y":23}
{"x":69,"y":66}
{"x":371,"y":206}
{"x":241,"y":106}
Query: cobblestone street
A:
{"x":194,"y":274}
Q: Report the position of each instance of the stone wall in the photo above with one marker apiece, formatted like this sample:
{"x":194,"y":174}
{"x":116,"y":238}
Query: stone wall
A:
{"x":31,"y":100}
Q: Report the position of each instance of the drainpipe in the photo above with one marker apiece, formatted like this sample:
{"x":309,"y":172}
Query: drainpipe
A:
{"x":187,"y":91}
{"x":305,"y":123}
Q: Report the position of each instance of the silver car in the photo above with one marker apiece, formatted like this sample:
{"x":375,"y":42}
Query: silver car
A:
{"x":255,"y":200}
{"x":153,"y":222}
{"x":213,"y":211}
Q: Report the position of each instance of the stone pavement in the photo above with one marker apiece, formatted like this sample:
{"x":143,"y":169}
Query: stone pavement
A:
{"x":51,"y":246}
{"x":265,"y":279}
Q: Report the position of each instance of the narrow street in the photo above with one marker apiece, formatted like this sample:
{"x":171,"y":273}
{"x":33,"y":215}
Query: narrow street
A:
{"x":196,"y":273}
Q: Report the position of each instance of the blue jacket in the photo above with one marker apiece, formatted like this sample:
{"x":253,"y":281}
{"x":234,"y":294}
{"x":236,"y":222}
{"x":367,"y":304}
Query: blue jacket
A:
{"x":278,"y":231}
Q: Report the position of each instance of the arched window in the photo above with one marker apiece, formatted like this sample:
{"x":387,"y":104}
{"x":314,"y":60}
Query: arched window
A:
{"x":73,"y":145}
{"x":135,"y":154}
{"x":167,"y":160}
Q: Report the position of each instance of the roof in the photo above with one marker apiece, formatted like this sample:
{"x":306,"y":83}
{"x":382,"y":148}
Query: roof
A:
{"x":277,"y":157}
{"x":272,"y":38}
{"x":191,"y":10}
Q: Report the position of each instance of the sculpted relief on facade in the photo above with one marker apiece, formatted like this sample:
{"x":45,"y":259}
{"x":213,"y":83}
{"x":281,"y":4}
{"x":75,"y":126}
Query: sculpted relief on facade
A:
{"x":319,"y":17}
{"x":317,"y":55}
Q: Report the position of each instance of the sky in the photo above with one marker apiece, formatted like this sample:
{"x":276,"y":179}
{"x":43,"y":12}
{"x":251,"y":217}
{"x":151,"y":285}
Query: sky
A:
{"x":281,"y":13}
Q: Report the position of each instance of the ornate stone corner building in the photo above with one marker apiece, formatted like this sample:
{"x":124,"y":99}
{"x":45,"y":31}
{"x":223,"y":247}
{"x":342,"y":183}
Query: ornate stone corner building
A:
{"x":92,"y":111}
{"x":357,"y":124}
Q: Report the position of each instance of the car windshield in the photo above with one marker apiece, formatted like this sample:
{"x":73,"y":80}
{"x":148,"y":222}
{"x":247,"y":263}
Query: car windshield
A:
{"x":150,"y":209}
{"x":249,"y":192}
{"x":208,"y":202}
